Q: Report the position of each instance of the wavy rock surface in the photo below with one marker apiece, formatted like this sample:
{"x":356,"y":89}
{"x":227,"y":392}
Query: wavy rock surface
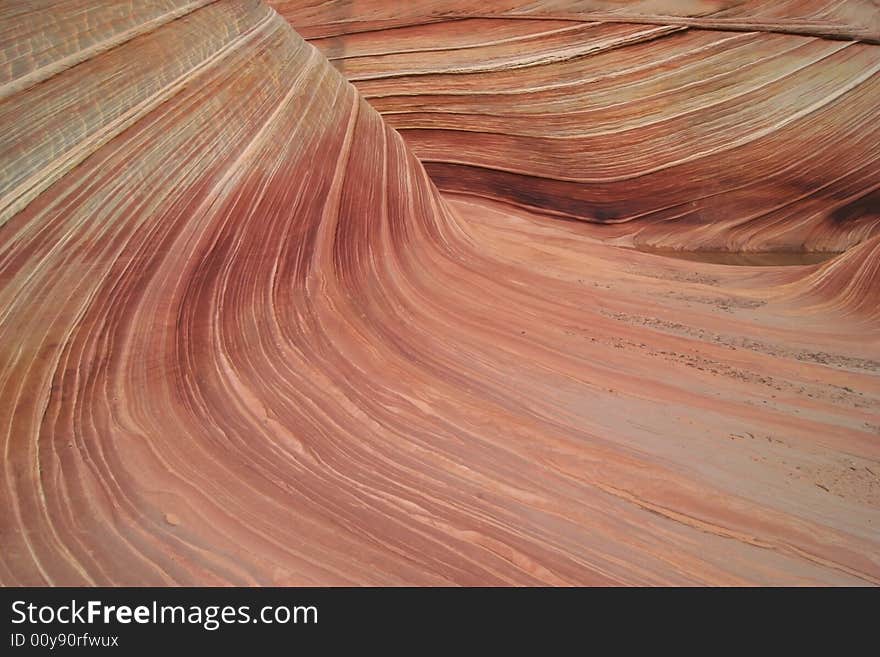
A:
{"x":754,"y":135}
{"x":245,"y":339}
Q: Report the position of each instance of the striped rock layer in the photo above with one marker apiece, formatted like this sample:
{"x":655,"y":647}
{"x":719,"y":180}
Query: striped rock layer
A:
{"x":761,"y":133}
{"x":247,"y":338}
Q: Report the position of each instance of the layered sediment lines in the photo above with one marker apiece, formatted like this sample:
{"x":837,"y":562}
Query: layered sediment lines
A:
{"x":757,"y":134}
{"x":849,"y":284}
{"x":846,"y":19}
{"x":244,"y":339}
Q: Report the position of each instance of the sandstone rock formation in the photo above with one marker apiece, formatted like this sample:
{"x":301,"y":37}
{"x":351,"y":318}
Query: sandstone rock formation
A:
{"x":247,"y":337}
{"x":758,"y":136}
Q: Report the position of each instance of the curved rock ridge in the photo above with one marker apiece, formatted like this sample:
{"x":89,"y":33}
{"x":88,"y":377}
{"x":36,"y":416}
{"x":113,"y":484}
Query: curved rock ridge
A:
{"x":745,"y":138}
{"x":244,"y":339}
{"x":849,"y":284}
